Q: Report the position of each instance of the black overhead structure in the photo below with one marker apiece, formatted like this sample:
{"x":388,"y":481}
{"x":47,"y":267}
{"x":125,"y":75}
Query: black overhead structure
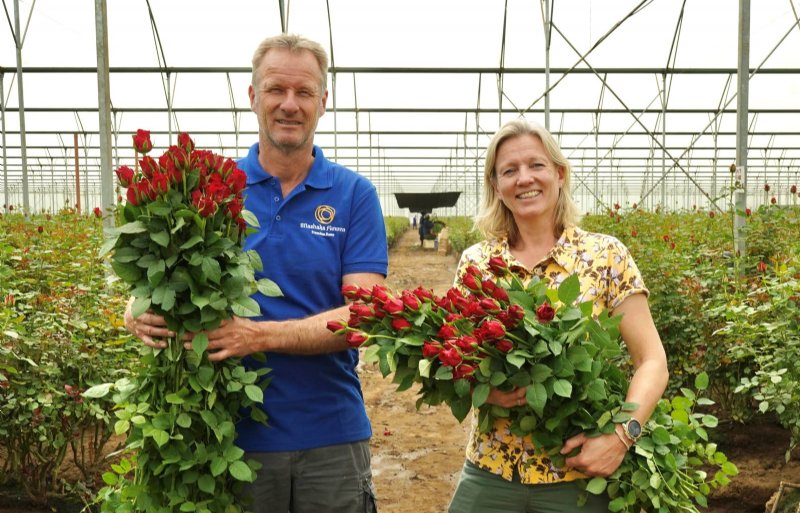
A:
{"x":425,"y":202}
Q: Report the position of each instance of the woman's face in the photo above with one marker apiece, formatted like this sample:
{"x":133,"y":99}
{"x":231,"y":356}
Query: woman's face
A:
{"x":526,"y":180}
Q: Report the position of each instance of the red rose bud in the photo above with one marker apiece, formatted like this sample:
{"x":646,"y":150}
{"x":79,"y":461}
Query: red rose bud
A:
{"x":671,"y":245}
{"x":125,"y":176}
{"x":431,"y":349}
{"x":141,"y":141}
{"x":493,"y":330}
{"x":773,"y":200}
{"x":350,"y":291}
{"x":516,"y":312}
{"x":362,"y":310}
{"x":446,"y":331}
{"x":364,"y":294}
{"x":379,"y":294}
{"x":761,"y":266}
{"x":666,"y":238}
{"x":97,"y":212}
{"x":793,"y":189}
{"x":500,"y":294}
{"x":185,"y":142}
{"x":393,"y":306}
{"x":235,"y":207}
{"x":411,"y":301}
{"x":545,"y":312}
{"x":498,"y":266}
{"x":423,"y":294}
{"x":504,"y":345}
{"x":237,"y":181}
{"x":747,"y":212}
{"x":132,"y":197}
{"x":4,"y":384}
{"x":40,"y":229}
{"x":149,"y":166}
{"x":634,"y":233}
{"x":355,"y":338}
{"x":467,"y":343}
{"x":10,"y":300}
{"x":354,"y":321}
{"x":489,"y":305}
{"x":400,"y":324}
{"x":471,"y":282}
{"x":160,"y":183}
{"x":473,"y":271}
{"x":450,"y":357}
{"x":452,"y":317}
{"x":766,"y":187}
{"x":474,"y":311}
{"x":463,"y":371}
{"x":335,"y":326}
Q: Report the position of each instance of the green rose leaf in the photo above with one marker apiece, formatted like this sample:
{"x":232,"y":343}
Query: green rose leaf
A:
{"x":596,"y":486}
{"x":240,"y":471}
{"x":131,"y":228}
{"x":199,"y":343}
{"x":269,"y":288}
{"x":569,"y":290}
{"x":480,"y":394}
{"x":161,"y":238}
{"x":254,"y":393}
{"x":97,"y":391}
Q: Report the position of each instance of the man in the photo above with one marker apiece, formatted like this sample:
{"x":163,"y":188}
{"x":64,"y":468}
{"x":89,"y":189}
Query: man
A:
{"x":321,"y":227}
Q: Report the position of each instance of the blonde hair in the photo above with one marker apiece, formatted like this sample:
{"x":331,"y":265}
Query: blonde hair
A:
{"x":293,"y":43}
{"x":495,"y":220}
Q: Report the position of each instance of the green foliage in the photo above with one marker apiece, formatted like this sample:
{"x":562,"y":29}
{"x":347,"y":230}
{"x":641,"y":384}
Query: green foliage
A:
{"x":395,"y":227}
{"x":60,"y":332}
{"x":461,"y":233}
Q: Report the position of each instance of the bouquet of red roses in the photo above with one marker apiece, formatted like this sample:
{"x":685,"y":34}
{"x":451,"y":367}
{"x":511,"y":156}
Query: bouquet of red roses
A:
{"x":500,"y":332}
{"x":180,"y":252}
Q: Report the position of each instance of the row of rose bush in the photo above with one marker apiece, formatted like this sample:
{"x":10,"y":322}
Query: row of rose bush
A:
{"x":732,"y":316}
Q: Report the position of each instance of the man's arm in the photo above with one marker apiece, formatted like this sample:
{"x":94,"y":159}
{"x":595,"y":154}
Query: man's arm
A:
{"x":240,"y":336}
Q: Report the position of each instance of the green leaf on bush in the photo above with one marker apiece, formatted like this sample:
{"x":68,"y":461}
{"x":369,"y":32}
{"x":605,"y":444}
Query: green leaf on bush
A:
{"x":218,"y":466}
{"x":269,"y":288}
{"x":424,"y":367}
{"x":131,"y":228}
{"x":97,"y":391}
{"x":254,"y":393}
{"x":241,"y":472}
{"x":200,"y":343}
{"x":536,"y":396}
{"x":569,"y":290}
{"x":161,"y":238}
{"x":562,"y":388}
{"x":206,"y":483}
{"x":701,"y":381}
{"x":246,"y":307}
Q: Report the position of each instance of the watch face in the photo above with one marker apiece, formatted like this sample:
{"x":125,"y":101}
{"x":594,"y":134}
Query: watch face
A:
{"x":634,"y":428}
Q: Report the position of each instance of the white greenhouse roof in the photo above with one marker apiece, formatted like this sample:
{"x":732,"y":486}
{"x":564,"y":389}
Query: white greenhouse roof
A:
{"x":639,"y":90}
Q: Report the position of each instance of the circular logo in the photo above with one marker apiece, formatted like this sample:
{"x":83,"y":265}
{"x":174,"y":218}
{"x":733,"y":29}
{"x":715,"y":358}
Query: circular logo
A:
{"x":324,"y":214}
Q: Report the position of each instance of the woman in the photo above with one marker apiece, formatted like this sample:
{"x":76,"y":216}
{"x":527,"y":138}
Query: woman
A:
{"x":529,"y":219}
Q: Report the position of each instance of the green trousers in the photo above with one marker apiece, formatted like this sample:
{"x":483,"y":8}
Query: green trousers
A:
{"x":479,"y":491}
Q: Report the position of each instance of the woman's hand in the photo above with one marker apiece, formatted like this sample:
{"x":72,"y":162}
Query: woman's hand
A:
{"x":515,"y":397}
{"x":599,"y":455}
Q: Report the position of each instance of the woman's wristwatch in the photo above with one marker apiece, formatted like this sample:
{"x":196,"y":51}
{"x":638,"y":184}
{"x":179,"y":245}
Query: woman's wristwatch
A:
{"x":632,"y":429}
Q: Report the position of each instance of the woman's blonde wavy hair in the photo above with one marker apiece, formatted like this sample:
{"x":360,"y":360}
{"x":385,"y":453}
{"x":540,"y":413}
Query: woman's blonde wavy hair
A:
{"x":495,"y":220}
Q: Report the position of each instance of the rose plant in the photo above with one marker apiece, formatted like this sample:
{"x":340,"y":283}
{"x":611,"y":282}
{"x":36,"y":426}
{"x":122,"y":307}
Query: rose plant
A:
{"x":500,"y":332}
{"x":179,"y":251}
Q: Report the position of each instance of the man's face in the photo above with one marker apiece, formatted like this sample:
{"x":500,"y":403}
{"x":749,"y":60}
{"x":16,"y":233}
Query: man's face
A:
{"x":288,"y":99}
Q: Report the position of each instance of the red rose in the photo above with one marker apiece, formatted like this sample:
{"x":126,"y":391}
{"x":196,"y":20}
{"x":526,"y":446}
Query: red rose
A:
{"x":666,"y":238}
{"x":185,"y":142}
{"x":10,"y":300}
{"x":411,"y":301}
{"x":471,"y":282}
{"x":634,"y":233}
{"x":711,"y":214}
{"x":355,"y":338}
{"x":516,"y":312}
{"x":616,"y":206}
{"x":335,"y":326}
{"x":452,"y":317}
{"x":393,"y":306}
{"x":545,"y":313}
{"x":489,"y":305}
{"x":473,"y":271}
{"x":235,"y":207}
{"x":474,"y":311}
{"x":498,"y":266}
{"x":463,"y":371}
{"x":125,"y":176}
{"x":761,"y":266}
{"x":132,"y":198}
{"x":40,"y":229}
{"x":747,"y":212}
{"x":423,"y":294}
{"x":237,"y":181}
{"x":450,"y":357}
{"x":364,"y":294}
{"x":500,"y":294}
{"x":400,"y":324}
{"x":766,"y":187}
{"x":350,"y":291}
{"x":379,"y":294}
{"x":446,"y":331}
{"x":149,"y":166}
{"x":362,"y":310}
{"x":504,"y":345}
{"x":141,"y":141}
{"x":430,"y":349}
{"x":97,"y":212}
{"x":160,"y":183}
{"x":467,"y":343}
{"x":793,"y":189}
{"x":773,"y":200}
{"x":493,"y":330}
{"x":671,"y":245}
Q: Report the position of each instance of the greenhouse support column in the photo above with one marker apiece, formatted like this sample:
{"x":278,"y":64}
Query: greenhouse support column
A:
{"x":547,"y":33}
{"x":21,"y":102}
{"x":104,"y":104}
{"x":3,"y":130}
{"x":743,"y":79}
{"x":77,"y":175}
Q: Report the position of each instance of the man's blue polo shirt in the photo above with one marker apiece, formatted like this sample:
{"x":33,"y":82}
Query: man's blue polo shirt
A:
{"x":328,"y":226}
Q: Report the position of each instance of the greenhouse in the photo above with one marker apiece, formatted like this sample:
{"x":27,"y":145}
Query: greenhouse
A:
{"x":678,"y":119}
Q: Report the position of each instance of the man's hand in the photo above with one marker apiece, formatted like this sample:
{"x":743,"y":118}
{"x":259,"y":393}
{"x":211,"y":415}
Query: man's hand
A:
{"x":149,"y":327}
{"x":515,"y":397}
{"x":235,"y":337}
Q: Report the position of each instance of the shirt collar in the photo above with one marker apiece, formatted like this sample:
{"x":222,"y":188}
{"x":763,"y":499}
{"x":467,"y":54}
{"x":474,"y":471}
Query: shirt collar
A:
{"x":562,"y":253}
{"x":319,"y":176}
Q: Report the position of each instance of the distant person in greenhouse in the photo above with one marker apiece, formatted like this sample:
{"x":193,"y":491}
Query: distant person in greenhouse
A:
{"x":529,"y":219}
{"x":321,"y":228}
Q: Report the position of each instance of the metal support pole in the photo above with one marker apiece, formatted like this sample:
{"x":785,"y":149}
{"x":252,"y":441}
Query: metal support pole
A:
{"x":104,"y":104}
{"x":22,"y":141}
{"x":743,"y":82}
{"x":547,"y":32}
{"x":3,"y":129}
{"x":77,"y":175}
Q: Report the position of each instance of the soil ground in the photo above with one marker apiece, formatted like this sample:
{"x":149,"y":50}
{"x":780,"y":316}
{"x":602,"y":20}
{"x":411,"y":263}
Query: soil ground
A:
{"x":417,"y":455}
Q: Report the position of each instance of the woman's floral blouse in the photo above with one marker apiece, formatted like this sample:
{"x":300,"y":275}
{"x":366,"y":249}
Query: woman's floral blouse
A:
{"x":607,"y":275}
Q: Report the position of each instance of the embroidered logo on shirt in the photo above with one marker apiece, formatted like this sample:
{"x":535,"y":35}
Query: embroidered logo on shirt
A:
{"x":325,"y":214}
